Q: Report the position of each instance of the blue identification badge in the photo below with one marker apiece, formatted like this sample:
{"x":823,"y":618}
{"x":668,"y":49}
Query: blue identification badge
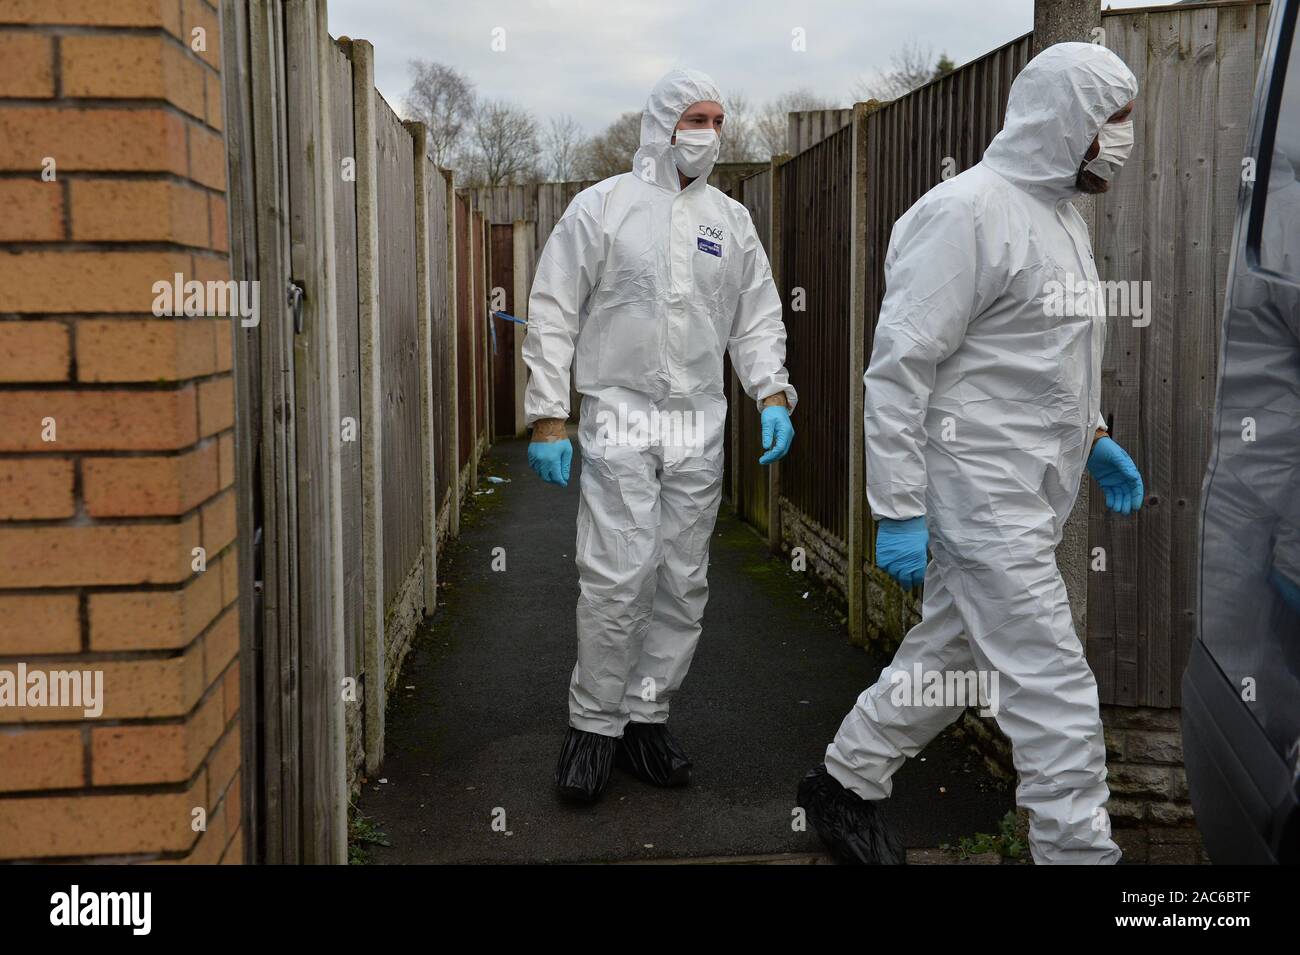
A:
{"x":709,"y":246}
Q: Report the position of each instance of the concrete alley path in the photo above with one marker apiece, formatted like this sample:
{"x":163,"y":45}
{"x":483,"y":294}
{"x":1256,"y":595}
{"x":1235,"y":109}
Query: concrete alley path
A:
{"x":476,"y":720}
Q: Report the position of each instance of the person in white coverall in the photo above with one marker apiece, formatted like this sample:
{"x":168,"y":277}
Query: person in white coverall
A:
{"x":982,"y":410}
{"x":647,"y":278}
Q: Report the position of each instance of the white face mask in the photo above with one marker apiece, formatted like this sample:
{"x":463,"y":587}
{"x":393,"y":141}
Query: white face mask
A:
{"x":695,"y":151}
{"x":1116,"y":142}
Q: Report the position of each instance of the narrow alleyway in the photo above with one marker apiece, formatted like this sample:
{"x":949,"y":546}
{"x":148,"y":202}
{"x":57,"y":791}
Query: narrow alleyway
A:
{"x":477,"y":716}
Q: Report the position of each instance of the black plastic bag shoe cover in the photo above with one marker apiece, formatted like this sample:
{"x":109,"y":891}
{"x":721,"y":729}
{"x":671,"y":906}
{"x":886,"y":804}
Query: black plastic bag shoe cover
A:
{"x":586,"y":763}
{"x":650,"y":753}
{"x":852,"y":828}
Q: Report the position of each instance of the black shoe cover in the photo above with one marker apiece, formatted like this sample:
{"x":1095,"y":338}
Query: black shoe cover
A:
{"x":650,"y":753}
{"x":586,"y":763}
{"x":851,"y":827}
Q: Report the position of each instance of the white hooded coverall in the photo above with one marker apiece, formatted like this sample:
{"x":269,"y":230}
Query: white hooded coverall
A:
{"x":641,"y":286}
{"x":981,"y":407}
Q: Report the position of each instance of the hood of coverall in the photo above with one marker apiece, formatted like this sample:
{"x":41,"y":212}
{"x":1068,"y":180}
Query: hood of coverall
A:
{"x":676,"y":91}
{"x":1058,"y":104}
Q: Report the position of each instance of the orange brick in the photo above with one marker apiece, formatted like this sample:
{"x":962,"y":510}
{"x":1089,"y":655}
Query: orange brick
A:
{"x":230,"y":685}
{"x":162,"y":349}
{"x":221,"y":645}
{"x":155,"y":619}
{"x":212,"y":268}
{"x":216,"y":405}
{"x":110,"y":66}
{"x":161,"y":420}
{"x":26,"y":65}
{"x":234,"y":849}
{"x":132,"y":755}
{"x":225,"y":344}
{"x":33,"y":210}
{"x":223,"y":764}
{"x":219,"y":218}
{"x":119,"y":13}
{"x":128,"y":210}
{"x":220,"y":523}
{"x":141,"y":487}
{"x":80,"y":281}
{"x":132,"y":689}
{"x":216,"y":105}
{"x":226,"y":460}
{"x":36,"y":488}
{"x":97,"y":555}
{"x":207,"y":157}
{"x":233,"y":803}
{"x":207,"y":850}
{"x":229,"y":577}
{"x":99,"y":825}
{"x":34,"y":351}
{"x":41,"y":759}
{"x":195,"y":14}
{"x":127,"y":140}
{"x":39,"y":624}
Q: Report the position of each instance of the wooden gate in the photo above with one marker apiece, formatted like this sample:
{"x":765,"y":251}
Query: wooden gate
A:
{"x":502,"y":333}
{"x":288,"y":396}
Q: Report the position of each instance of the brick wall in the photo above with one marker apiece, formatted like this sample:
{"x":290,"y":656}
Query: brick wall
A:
{"x":116,"y":440}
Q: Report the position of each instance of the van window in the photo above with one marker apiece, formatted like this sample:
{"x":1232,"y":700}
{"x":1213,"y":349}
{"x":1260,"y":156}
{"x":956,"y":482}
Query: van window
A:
{"x":1250,"y":543}
{"x":1279,"y":240}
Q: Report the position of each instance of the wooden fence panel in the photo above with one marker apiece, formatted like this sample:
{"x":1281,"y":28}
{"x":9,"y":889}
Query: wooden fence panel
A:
{"x":478,"y":306}
{"x":501,"y":334}
{"x":815,"y":247}
{"x":464,"y":339}
{"x":443,"y":393}
{"x":1196,"y":68}
{"x":399,"y":344}
{"x":750,"y":476}
{"x":349,"y":345}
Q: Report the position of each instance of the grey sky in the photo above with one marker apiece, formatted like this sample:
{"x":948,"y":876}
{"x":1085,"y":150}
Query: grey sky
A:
{"x":595,"y":60}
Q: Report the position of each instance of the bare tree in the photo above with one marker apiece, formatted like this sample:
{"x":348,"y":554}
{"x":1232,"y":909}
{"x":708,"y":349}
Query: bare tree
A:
{"x":910,"y":68}
{"x":443,"y":99}
{"x":502,"y":147}
{"x":770,"y":126}
{"x":562,"y":145}
{"x":739,"y":141}
{"x":611,"y":152}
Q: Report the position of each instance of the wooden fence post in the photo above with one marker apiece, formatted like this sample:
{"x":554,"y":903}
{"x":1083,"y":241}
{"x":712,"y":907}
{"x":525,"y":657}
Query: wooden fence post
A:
{"x":855,"y":544}
{"x":271,"y":345}
{"x":319,"y":570}
{"x":775,"y":260}
{"x":452,"y":371}
{"x":424,"y":310}
{"x":521,"y":236}
{"x":372,"y":430}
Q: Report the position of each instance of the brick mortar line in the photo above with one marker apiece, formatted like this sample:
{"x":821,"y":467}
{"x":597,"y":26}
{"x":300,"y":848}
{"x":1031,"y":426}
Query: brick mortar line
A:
{"x":142,"y":520}
{"x":112,"y":175}
{"x":87,"y":660}
{"x":143,"y":387}
{"x":115,"y":455}
{"x":91,"y":590}
{"x":111,"y":246}
{"x":57,"y":31}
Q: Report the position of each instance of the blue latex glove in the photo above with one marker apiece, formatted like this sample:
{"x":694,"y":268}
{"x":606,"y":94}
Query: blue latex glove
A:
{"x":551,"y":460}
{"x":1114,"y":470}
{"x":778,"y":432}
{"x":900,"y":549}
